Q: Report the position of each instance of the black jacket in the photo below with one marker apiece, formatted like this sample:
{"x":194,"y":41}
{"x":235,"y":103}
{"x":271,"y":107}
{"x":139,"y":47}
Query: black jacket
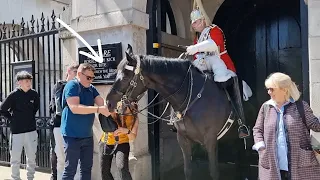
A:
{"x":20,"y":108}
{"x":55,"y":119}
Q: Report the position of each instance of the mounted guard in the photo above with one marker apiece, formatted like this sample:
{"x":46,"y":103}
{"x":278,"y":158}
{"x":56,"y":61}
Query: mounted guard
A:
{"x":210,"y":54}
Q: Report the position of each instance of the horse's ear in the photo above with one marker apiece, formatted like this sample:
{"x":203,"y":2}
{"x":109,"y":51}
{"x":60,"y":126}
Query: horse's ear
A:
{"x":129,"y":50}
{"x":129,"y":57}
{"x":129,"y":53}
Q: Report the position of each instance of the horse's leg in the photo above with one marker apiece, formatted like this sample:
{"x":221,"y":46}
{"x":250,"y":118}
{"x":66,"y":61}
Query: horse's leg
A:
{"x":242,"y":158}
{"x":186,"y":147}
{"x":211,"y":147}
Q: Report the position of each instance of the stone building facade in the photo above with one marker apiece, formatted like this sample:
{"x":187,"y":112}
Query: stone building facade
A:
{"x":128,"y":22}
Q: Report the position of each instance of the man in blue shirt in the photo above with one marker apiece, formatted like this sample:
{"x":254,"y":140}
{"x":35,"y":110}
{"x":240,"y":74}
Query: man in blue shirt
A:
{"x":78,"y":99}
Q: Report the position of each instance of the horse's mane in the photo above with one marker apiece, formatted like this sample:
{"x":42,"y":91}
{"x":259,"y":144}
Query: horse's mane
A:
{"x":159,"y":62}
{"x":160,"y":65}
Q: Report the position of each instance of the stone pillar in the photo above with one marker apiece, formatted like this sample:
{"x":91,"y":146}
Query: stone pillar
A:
{"x":111,"y":21}
{"x":314,"y":60}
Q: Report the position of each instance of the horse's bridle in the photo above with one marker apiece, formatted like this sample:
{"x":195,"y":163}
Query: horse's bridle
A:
{"x":125,"y":99}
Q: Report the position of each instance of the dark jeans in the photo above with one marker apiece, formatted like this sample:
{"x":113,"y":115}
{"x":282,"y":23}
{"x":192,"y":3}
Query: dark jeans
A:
{"x":53,"y":156}
{"x":122,"y":161}
{"x":284,"y":175}
{"x":75,"y":149}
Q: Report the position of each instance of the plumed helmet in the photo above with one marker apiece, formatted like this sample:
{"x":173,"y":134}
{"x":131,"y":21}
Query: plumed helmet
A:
{"x":195,"y":15}
{"x":199,"y":12}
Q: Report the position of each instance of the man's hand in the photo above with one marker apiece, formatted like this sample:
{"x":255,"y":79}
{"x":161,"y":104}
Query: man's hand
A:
{"x":104,"y":111}
{"x":191,"y":50}
{"x":120,"y":131}
{"x":262,"y":148}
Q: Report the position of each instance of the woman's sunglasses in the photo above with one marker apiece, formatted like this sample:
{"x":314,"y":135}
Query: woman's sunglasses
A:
{"x":270,"y":89}
{"x":89,"y":78}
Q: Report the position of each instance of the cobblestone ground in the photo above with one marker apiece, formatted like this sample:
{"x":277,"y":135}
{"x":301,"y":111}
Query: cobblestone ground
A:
{"x":201,"y":172}
{"x":227,"y":172}
{"x":5,"y":174}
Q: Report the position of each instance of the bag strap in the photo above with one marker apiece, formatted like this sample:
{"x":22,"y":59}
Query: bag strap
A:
{"x":300,"y":108}
{"x":79,"y":91}
{"x":266,"y":108}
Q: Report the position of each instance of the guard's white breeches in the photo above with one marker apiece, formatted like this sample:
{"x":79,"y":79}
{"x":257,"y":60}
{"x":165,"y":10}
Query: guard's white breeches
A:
{"x":216,"y":65}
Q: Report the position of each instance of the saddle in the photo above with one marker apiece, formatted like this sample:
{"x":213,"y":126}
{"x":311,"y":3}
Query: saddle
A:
{"x":222,"y":85}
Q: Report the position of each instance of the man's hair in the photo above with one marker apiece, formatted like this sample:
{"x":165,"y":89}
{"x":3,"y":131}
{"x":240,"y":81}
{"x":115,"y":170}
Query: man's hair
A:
{"x":85,"y":66}
{"x":23,"y":75}
{"x":74,"y":67}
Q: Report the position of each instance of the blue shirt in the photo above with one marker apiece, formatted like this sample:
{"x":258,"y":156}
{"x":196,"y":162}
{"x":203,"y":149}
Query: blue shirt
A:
{"x":282,"y":146}
{"x":77,"y":125}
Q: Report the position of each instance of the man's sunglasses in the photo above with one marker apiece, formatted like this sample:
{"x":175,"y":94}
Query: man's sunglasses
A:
{"x":89,"y":78}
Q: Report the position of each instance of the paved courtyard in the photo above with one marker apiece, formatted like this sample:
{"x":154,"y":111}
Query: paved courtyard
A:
{"x":5,"y":174}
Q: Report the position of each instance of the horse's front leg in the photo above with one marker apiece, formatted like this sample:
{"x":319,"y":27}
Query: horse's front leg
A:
{"x":186,"y":147}
{"x":211,"y":147}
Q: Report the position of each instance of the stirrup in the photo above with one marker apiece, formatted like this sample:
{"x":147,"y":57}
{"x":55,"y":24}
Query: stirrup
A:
{"x":243,"y":131}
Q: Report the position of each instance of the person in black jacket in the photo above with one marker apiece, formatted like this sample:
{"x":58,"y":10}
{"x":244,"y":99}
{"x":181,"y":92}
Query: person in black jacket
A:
{"x":20,"y":108}
{"x":56,"y":141}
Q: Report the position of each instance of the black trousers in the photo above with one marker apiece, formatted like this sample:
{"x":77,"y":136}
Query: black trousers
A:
{"x":284,"y":175}
{"x":53,"y":156}
{"x":121,"y":161}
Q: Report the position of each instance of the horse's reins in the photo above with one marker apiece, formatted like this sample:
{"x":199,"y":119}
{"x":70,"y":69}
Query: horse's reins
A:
{"x":119,"y":121}
{"x":133,"y":84}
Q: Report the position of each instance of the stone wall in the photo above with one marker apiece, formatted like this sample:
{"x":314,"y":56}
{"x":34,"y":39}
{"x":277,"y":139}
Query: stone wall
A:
{"x":111,"y":21}
{"x":16,"y":9}
{"x":314,"y":60}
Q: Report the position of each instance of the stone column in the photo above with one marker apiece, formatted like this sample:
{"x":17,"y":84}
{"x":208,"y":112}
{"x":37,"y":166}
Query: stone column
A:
{"x":112,"y":21}
{"x":314,"y":60}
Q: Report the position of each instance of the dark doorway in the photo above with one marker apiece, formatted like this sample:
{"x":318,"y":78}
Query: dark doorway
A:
{"x":262,"y":37}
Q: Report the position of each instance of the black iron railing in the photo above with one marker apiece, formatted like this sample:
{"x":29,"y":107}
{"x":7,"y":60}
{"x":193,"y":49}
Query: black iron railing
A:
{"x":33,"y":46}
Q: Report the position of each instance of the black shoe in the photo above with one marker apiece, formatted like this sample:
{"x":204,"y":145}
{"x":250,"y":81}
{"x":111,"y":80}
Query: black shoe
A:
{"x":243,"y":132}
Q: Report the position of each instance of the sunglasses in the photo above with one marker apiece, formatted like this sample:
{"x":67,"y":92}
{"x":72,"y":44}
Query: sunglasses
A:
{"x":270,"y":89}
{"x":89,"y":78}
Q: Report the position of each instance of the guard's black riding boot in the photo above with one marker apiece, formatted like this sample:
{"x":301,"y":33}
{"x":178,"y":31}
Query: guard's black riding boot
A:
{"x":235,"y":95}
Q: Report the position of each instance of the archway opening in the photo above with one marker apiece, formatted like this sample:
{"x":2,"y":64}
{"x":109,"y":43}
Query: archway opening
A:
{"x":262,"y":37}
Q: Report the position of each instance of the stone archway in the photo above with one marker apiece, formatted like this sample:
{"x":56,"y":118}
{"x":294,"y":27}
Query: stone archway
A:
{"x":260,"y":42}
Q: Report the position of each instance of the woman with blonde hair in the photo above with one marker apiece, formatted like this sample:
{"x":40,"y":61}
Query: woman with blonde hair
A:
{"x":281,"y":133}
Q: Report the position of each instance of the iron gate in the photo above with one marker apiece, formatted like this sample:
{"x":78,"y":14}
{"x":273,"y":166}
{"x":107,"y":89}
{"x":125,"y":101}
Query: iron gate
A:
{"x":33,"y":46}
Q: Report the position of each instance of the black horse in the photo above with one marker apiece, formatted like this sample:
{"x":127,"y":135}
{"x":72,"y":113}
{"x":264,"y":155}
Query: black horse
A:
{"x":203,"y":107}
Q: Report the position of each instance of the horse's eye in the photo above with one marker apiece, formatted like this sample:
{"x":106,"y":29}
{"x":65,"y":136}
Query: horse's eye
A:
{"x":125,"y":78}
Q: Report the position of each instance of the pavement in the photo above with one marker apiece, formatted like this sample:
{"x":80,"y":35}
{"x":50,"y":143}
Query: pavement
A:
{"x":5,"y":174}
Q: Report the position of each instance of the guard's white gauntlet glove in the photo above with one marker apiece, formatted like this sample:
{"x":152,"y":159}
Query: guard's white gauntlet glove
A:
{"x":205,"y":46}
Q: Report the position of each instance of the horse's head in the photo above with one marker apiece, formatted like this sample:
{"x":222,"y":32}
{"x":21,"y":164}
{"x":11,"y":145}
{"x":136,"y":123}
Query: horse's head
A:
{"x":129,"y":84}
